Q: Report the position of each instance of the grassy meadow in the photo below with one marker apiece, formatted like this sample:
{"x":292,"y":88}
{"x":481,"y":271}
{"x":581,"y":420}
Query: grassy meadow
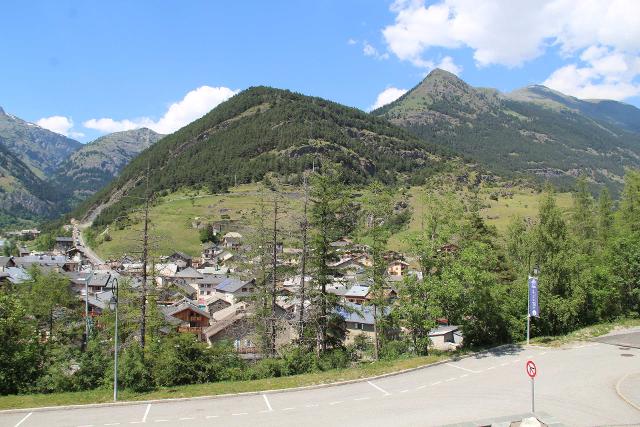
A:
{"x":173,"y":215}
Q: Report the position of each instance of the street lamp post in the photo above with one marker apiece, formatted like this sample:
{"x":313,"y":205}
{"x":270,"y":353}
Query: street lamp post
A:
{"x":113,"y":305}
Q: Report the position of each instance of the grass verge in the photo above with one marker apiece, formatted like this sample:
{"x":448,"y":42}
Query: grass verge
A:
{"x":363,"y":370}
{"x":586,"y":333}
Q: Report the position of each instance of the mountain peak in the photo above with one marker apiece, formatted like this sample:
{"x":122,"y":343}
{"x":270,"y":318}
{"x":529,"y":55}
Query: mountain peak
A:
{"x":2,"y":111}
{"x":439,"y":73}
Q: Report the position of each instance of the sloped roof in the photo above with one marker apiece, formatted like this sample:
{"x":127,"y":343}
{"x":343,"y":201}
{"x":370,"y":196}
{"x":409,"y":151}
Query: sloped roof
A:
{"x":5,"y":260}
{"x":210,"y":279}
{"x":357,"y":291}
{"x":441,"y":330}
{"x":186,"y":305}
{"x":225,"y":318}
{"x":231,"y":285}
{"x":17,"y":274}
{"x":357,"y":314}
{"x":189,"y":273}
{"x":56,"y":260}
{"x":232,"y":235}
{"x":180,"y":255}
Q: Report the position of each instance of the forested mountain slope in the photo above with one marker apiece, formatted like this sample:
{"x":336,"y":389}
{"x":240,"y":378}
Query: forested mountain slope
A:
{"x":23,"y":195}
{"x":264,"y":130}
{"x":536,"y":132}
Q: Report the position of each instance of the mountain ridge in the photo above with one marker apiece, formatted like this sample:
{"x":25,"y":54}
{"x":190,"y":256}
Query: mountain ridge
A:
{"x":264,"y":130}
{"x":519,"y":137}
{"x":96,"y":163}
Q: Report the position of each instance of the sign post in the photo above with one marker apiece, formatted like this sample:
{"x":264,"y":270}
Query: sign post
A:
{"x":533,"y":308}
{"x":532,"y":371}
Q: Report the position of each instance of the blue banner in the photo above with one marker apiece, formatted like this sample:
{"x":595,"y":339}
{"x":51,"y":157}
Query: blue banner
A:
{"x":534,"y":308}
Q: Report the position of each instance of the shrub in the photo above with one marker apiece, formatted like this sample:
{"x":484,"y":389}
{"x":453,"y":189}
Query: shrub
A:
{"x":134,"y":373}
{"x":394,"y":349}
{"x":269,"y":368}
{"x":334,"y":359}
{"x":298,"y":360}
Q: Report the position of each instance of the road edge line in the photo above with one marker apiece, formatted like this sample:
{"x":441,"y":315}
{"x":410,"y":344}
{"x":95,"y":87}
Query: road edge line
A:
{"x":622,"y":396}
{"x":251,"y":393}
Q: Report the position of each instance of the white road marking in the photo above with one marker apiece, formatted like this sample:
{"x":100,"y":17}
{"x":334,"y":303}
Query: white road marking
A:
{"x":386,"y":393}
{"x":460,"y":367}
{"x":241,"y":413}
{"x":421,"y":387}
{"x":187,"y":418}
{"x":361,"y":398}
{"x":436,"y":383}
{"x":212,"y":416}
{"x":490,"y":368}
{"x":146,"y":413}
{"x":337,"y":402}
{"x":24,"y":419}
{"x":112,"y":424}
{"x":315,"y":405}
{"x":266,"y":400}
{"x":136,"y":422}
{"x":162,"y":421}
{"x":464,"y":375}
{"x":403,"y":391}
{"x":86,"y":425}
{"x":450,"y":379}
{"x":504,"y":364}
{"x":288,"y":409}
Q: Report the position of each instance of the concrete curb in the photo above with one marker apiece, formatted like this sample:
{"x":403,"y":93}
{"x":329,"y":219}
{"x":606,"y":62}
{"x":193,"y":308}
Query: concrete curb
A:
{"x":250,"y":393}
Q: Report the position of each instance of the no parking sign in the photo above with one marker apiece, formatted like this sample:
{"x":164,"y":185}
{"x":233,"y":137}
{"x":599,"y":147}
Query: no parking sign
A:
{"x":532,"y":371}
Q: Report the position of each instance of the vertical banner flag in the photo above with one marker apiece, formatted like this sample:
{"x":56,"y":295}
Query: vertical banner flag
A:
{"x":534,"y":308}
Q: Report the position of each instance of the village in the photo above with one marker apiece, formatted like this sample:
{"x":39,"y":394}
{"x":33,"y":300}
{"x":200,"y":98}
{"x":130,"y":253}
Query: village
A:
{"x":210,"y":296}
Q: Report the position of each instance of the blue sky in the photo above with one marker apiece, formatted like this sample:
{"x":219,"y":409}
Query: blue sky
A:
{"x":65,"y":63}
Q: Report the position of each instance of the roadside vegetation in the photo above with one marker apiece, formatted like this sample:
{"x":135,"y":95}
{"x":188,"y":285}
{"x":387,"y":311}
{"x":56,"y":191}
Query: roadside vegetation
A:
{"x":588,"y":257}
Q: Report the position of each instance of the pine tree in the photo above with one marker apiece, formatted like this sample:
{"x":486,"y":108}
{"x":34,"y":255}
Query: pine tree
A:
{"x":605,"y":216}
{"x":331,"y":218}
{"x":378,"y":208}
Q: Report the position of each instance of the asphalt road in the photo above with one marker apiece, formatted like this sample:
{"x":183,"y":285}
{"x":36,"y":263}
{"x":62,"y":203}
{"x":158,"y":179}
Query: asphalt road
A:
{"x":93,"y":258}
{"x":576,"y":385}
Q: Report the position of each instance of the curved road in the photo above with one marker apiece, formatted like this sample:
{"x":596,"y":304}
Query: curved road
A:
{"x":575,"y":386}
{"x":93,"y":258}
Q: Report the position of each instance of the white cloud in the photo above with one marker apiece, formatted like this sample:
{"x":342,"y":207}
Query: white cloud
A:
{"x":369,"y":50}
{"x":447,"y":64}
{"x":59,"y":124}
{"x":605,"y":74}
{"x":387,"y":96}
{"x":352,"y":41}
{"x":510,"y":33}
{"x":194,"y":105}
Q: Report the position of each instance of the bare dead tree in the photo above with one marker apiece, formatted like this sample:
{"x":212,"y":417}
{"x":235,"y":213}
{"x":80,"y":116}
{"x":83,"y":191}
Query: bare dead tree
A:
{"x":303,"y":260}
{"x":274,"y":267}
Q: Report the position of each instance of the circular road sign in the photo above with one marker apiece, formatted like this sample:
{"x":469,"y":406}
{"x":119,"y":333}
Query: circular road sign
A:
{"x":531,"y":368}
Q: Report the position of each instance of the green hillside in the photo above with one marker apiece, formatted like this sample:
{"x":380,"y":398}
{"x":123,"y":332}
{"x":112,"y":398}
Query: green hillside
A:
{"x":23,"y":195}
{"x":265,"y":130}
